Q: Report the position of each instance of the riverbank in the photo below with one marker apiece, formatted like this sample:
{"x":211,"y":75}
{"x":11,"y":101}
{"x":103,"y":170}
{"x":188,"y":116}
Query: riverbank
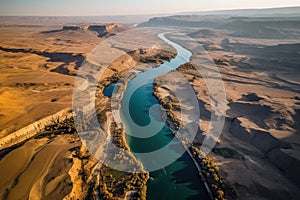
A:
{"x":174,"y":177}
{"x":112,"y":181}
{"x":217,"y":187}
{"x":174,"y":124}
{"x":79,"y":172}
{"x":244,"y":141}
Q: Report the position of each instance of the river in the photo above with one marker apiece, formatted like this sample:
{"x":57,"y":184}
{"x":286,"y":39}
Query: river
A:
{"x":179,"y":180}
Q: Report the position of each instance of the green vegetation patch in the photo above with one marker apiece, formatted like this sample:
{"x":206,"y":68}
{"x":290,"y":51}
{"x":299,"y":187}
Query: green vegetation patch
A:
{"x":221,"y":188}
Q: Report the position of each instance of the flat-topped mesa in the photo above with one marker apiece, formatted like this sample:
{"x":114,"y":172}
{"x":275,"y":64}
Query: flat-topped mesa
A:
{"x":72,"y":28}
{"x":65,"y":28}
{"x":103,"y":30}
{"x":106,"y":27}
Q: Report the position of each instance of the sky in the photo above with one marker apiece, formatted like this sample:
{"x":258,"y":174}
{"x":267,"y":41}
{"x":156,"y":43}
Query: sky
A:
{"x":127,"y":7}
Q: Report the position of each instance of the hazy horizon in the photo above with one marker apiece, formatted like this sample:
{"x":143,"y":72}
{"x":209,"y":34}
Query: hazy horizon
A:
{"x":120,"y":7}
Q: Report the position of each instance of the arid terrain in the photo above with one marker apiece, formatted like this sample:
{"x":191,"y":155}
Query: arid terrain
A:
{"x":258,"y":151}
{"x":38,"y":68}
{"x":257,"y":155}
{"x":38,"y":65}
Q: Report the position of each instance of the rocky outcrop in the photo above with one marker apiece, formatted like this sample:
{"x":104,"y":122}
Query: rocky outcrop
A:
{"x":102,"y":30}
{"x":33,"y":129}
{"x":65,"y":28}
{"x":72,"y":28}
{"x":262,"y":140}
{"x":280,"y":153}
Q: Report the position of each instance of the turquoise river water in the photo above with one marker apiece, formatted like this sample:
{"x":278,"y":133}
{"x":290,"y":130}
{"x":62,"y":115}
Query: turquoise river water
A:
{"x":179,"y":180}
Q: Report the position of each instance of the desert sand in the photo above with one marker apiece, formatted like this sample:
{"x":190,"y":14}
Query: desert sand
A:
{"x":42,"y":157}
{"x":38,"y":65}
{"x":36,"y":117}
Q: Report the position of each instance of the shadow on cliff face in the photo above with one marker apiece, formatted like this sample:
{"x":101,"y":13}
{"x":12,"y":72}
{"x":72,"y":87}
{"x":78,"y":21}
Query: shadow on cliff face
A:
{"x":66,"y":58}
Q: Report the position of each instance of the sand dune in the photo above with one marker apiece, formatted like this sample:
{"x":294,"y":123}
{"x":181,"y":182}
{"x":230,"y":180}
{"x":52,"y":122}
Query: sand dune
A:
{"x":40,"y":171}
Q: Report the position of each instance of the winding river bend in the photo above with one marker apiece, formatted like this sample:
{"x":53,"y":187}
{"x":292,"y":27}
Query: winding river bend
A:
{"x":179,"y":180}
